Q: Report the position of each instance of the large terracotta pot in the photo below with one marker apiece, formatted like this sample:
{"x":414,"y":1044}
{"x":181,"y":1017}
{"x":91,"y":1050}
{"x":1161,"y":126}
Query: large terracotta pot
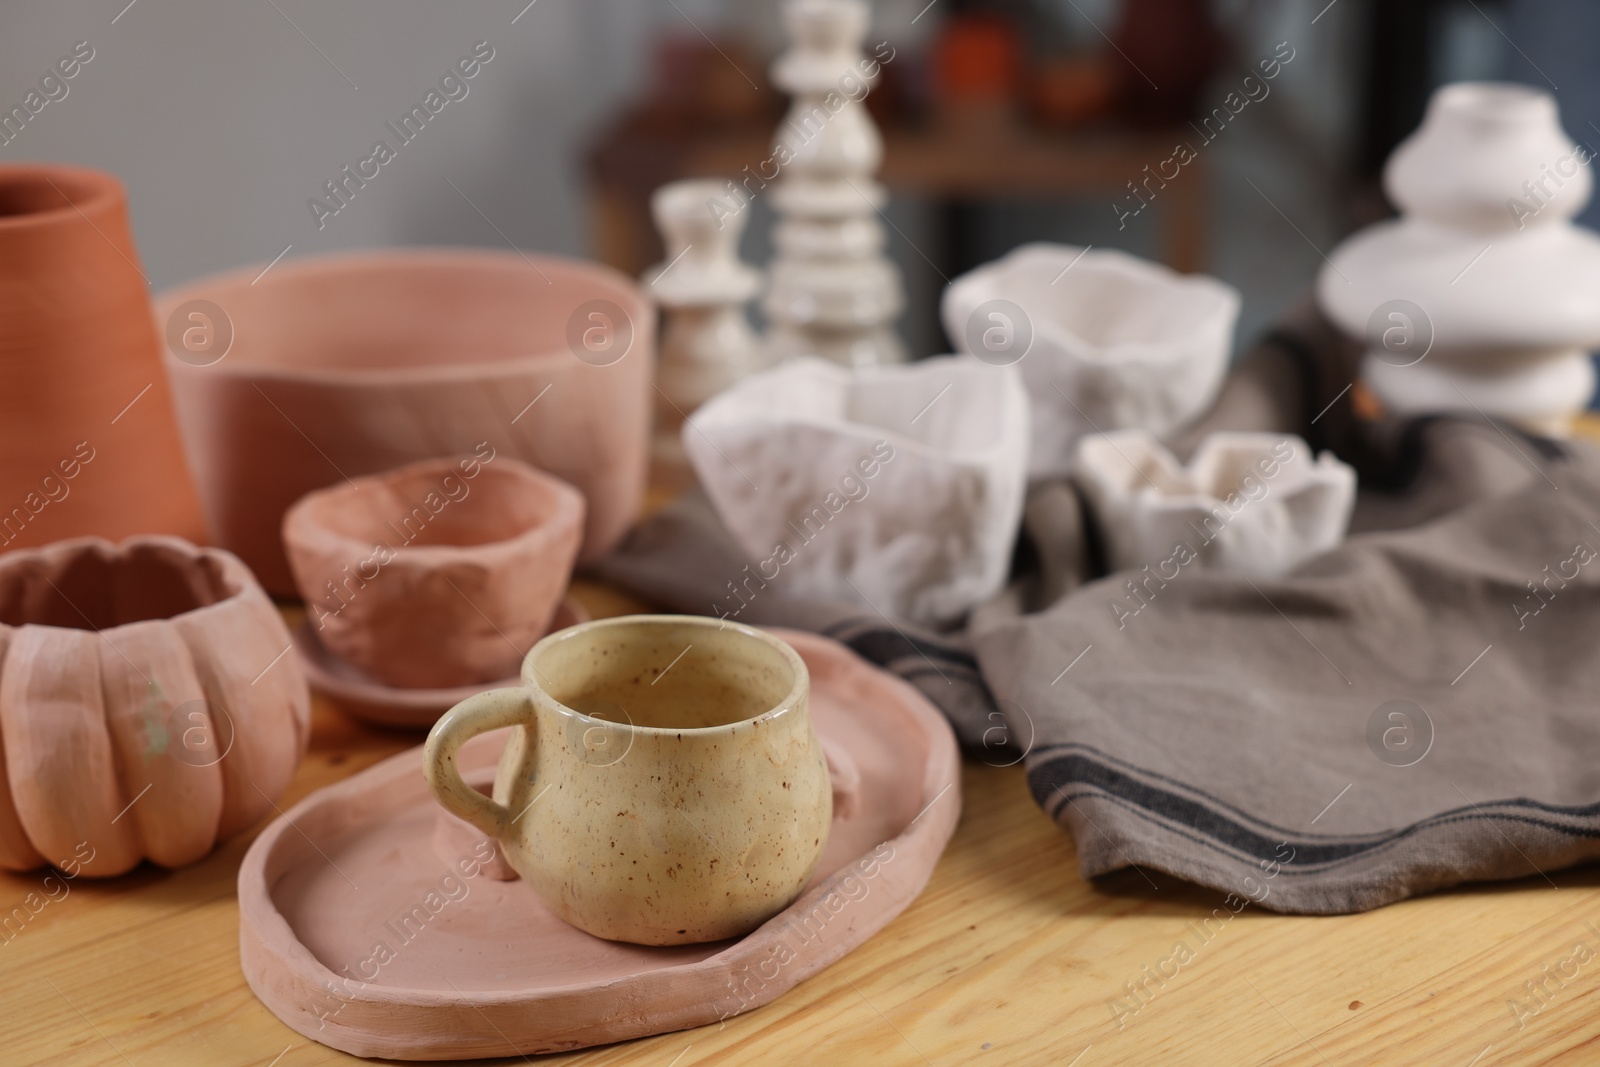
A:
{"x":340,"y":366}
{"x":88,"y":444}
{"x":147,"y":707}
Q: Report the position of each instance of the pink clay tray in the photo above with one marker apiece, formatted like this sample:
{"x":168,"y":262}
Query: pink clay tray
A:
{"x":367,"y":921}
{"x":366,"y":698}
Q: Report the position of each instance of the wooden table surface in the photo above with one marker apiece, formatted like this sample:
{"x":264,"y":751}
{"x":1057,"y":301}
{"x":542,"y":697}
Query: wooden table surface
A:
{"x":1008,"y":957}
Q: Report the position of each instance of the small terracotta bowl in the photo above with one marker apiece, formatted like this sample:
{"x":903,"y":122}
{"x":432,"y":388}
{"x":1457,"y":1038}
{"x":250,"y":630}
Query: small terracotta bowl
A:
{"x":440,"y":573}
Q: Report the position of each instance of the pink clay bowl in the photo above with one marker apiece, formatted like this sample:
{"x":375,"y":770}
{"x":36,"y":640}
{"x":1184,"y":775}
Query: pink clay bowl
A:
{"x":438,"y":574}
{"x":332,"y":367}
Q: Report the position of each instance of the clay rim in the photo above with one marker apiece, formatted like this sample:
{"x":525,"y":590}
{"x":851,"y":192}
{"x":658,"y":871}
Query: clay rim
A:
{"x":99,"y":191}
{"x":711,"y":417}
{"x":238,"y":579}
{"x":1149,"y":497}
{"x":617,"y":286}
{"x":788,"y":705}
{"x":568,"y":512}
{"x":338,"y":688}
{"x":989,"y":282}
{"x":1493,"y":104}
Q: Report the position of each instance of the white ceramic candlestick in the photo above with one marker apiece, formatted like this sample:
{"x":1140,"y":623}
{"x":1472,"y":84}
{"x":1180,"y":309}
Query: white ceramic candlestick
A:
{"x":833,"y":293}
{"x":706,"y":341}
{"x":1483,"y":297}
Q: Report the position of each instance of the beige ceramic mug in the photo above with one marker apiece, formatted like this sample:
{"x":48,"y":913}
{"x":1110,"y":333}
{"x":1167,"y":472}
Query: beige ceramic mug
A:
{"x":663,"y":785}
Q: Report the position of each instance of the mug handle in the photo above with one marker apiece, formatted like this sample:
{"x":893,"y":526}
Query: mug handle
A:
{"x":844,"y":777}
{"x":477,"y":714}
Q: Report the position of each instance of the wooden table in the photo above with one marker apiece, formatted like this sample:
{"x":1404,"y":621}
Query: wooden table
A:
{"x":1008,"y":957}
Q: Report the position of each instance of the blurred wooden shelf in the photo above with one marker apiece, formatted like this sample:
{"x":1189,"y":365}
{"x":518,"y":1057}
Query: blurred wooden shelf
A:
{"x":937,"y":162}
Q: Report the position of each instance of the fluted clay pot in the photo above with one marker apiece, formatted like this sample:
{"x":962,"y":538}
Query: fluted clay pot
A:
{"x":88,"y":444}
{"x":146,"y":707}
{"x":341,"y":366}
{"x":441,"y":573}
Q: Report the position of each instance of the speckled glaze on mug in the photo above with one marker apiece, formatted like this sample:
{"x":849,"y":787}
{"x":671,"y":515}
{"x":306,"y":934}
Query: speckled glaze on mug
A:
{"x":663,"y":785}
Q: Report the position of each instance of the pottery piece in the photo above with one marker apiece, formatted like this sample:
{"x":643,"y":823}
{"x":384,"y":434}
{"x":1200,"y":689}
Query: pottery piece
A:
{"x":1248,"y":503}
{"x":678,"y":769}
{"x":706,"y":340}
{"x":1067,"y":91}
{"x":347,"y":365}
{"x":1169,"y":50}
{"x":897,"y":488}
{"x":1483,"y":297}
{"x":977,"y":71}
{"x":492,"y":972}
{"x":368,"y":699}
{"x":147,"y":709}
{"x":1104,"y":340}
{"x":832,"y":292}
{"x":440,"y":573}
{"x":88,"y":443}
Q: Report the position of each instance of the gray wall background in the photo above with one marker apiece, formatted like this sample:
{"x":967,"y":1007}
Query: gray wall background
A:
{"x":224,"y":117}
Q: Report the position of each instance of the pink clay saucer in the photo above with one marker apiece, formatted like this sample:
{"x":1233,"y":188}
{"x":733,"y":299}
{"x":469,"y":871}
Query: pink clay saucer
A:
{"x":372,"y":701}
{"x":373,"y":922}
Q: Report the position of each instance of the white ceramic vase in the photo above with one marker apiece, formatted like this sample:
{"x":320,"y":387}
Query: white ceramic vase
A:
{"x":897,"y":488}
{"x":1482,"y":297}
{"x":1248,"y":503}
{"x":1104,"y":340}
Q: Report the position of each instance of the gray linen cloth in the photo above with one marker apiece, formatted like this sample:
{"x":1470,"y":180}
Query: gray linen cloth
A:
{"x":1417,"y":708}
